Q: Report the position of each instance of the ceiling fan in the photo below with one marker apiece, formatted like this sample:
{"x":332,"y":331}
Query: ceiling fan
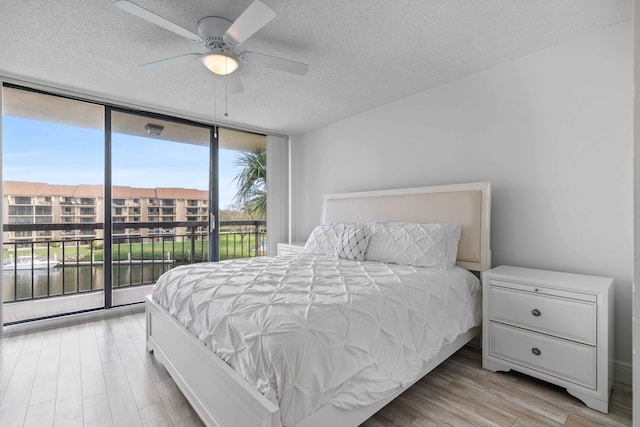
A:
{"x":222,"y":39}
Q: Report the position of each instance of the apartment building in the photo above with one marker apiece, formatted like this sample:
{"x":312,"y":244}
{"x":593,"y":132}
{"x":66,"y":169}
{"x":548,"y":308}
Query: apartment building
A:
{"x":42,"y":203}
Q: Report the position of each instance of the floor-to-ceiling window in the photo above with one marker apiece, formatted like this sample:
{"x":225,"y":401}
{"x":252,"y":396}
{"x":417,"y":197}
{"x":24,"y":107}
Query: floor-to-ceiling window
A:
{"x":242,"y":200}
{"x":99,"y":201}
{"x":159,"y":199}
{"x":53,"y":171}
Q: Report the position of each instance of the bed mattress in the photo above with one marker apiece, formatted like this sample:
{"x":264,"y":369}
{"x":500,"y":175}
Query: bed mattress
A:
{"x":311,"y":330}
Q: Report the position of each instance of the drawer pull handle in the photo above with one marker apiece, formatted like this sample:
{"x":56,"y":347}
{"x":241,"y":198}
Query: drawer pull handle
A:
{"x":536,"y":351}
{"x":536,"y":312}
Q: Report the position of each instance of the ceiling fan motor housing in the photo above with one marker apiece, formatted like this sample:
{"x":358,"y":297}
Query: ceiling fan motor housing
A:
{"x":211,"y":29}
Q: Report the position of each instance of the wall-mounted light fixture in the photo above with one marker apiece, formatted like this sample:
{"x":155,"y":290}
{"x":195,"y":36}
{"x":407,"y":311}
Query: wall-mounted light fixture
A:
{"x":154,"y":130}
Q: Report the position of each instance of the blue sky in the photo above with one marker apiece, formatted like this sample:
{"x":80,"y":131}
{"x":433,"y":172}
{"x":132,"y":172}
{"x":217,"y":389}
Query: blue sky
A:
{"x":58,"y":154}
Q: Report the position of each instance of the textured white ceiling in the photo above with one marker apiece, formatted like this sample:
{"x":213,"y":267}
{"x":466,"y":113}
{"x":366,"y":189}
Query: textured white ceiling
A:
{"x":361,"y":53}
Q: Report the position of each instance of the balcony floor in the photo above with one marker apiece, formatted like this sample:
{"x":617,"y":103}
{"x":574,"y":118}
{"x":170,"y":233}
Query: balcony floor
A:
{"x":45,"y":307}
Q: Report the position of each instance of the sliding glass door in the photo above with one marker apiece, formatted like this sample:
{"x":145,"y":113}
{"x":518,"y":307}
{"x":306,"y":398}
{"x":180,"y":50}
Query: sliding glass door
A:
{"x":53,"y":170}
{"x":99,"y":201}
{"x":243,"y":194}
{"x":161,"y":193}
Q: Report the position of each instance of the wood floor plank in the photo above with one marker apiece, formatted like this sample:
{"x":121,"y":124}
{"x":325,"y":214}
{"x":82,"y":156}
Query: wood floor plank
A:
{"x":371,"y":422}
{"x":399,"y":413}
{"x":45,"y":384}
{"x":154,"y":368}
{"x":137,"y":332}
{"x":528,"y":403}
{"x":124,"y":411}
{"x":96,"y":411}
{"x":178,"y":408}
{"x":9,"y":355}
{"x":502,"y":392}
{"x":155,"y":416}
{"x":91,"y":373}
{"x":140,"y":382}
{"x":16,"y":400}
{"x":478,"y":413}
{"x":117,"y":328}
{"x":32,"y":342}
{"x":619,"y":403}
{"x":114,"y":377}
{"x":598,"y":418}
{"x":69,"y":391}
{"x":136,"y":328}
{"x":41,"y":414}
{"x":430,"y":411}
{"x":107,"y":350}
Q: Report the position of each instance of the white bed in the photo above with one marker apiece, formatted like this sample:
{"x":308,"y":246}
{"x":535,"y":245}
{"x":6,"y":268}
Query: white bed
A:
{"x":223,"y":397}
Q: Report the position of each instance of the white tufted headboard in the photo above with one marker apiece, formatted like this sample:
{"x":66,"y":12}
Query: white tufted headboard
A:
{"x":466,"y":204}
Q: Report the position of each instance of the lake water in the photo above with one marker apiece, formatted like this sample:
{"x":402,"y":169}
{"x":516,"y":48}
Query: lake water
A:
{"x":75,"y":279}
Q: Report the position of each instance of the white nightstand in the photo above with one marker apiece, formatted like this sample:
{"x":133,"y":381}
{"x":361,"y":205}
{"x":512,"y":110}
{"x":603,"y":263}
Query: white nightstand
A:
{"x":292,"y":248}
{"x":554,"y":326}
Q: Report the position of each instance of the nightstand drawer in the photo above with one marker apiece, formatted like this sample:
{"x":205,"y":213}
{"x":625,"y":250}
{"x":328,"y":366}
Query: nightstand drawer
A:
{"x":561,"y":358}
{"x":562,"y":317}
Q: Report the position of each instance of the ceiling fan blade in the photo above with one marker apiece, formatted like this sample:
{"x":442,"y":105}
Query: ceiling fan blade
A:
{"x":158,"y":20}
{"x":234,"y":83}
{"x":274,"y":62}
{"x":171,"y":61}
{"x":256,"y":16}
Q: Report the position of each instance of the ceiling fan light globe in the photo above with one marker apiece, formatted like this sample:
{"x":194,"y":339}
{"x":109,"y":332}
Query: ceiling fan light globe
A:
{"x":219,"y":63}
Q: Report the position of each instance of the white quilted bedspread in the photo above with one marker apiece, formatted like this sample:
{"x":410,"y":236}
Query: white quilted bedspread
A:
{"x":310,"y":330}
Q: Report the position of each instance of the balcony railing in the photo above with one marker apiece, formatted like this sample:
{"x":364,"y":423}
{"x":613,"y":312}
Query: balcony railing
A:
{"x":70,"y":264}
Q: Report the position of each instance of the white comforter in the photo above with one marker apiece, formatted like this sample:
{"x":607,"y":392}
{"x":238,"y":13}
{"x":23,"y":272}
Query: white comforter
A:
{"x":311,"y":330}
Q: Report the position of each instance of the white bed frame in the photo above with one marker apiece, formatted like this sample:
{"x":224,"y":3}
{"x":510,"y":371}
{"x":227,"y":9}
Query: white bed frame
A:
{"x":221,"y":397}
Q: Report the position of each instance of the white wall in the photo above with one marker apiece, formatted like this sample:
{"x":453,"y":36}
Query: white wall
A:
{"x":277,"y":192}
{"x":551,"y":131}
{"x":636,"y":197}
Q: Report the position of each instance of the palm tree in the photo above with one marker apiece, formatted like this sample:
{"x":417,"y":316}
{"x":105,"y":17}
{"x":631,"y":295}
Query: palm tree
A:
{"x":252,"y":182}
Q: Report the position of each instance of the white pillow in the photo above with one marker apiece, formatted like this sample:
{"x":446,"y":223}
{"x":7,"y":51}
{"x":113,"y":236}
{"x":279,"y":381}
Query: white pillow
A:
{"x":352,"y":243}
{"x":324,"y":239}
{"x":423,"y":245}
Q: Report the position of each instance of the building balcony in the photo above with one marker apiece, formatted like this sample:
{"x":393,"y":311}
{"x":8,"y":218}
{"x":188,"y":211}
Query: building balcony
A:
{"x":21,"y":238}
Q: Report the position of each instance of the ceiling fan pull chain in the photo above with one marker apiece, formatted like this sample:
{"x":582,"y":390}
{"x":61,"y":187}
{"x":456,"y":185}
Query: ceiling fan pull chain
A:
{"x":226,"y":90}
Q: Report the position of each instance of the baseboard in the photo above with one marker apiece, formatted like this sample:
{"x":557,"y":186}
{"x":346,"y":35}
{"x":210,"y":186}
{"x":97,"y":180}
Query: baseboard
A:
{"x":622,"y":372}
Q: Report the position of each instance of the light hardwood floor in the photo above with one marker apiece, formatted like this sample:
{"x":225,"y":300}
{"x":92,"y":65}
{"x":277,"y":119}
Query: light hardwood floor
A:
{"x":99,"y":374}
